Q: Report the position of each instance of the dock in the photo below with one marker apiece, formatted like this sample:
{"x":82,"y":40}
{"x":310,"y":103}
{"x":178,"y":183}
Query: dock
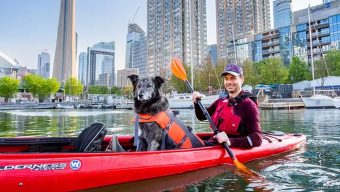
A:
{"x":293,"y":103}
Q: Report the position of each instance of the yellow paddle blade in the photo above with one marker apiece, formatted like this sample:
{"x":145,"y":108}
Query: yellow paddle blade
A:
{"x":178,"y":69}
{"x":243,"y":168}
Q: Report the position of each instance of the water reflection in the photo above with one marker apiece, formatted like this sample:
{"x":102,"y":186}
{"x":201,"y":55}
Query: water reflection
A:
{"x":315,"y":167}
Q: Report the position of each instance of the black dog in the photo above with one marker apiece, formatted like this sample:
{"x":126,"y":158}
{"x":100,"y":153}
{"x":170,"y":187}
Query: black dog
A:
{"x":148,"y":99}
{"x":158,"y":126}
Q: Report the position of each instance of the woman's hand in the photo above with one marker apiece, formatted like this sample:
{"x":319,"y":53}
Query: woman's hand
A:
{"x":196,"y":96}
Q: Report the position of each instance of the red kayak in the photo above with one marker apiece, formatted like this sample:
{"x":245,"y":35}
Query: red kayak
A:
{"x":51,"y":164}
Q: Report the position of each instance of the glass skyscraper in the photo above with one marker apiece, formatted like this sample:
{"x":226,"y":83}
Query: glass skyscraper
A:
{"x":44,"y":64}
{"x":282,"y":10}
{"x":135,"y":55}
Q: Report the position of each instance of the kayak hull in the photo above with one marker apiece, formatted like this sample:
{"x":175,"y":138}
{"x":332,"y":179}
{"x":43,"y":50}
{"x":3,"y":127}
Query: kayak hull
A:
{"x":68,"y":171}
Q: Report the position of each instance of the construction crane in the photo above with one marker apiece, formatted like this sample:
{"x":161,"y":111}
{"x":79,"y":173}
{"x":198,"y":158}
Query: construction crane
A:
{"x":133,"y":19}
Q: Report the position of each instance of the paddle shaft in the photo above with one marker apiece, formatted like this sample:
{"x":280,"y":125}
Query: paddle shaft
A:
{"x":213,"y":126}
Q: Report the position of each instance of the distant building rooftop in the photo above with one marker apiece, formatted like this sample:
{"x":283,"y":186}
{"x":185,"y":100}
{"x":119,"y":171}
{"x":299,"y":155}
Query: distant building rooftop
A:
{"x":7,"y":62}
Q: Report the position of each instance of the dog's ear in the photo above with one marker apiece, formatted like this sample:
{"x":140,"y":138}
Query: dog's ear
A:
{"x":159,"y":81}
{"x":133,"y":79}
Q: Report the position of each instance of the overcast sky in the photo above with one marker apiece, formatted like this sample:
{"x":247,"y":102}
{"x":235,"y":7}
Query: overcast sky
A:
{"x":27,"y":27}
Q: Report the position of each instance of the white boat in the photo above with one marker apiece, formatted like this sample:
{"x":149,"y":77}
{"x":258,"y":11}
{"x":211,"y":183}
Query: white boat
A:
{"x":318,"y":101}
{"x":336,"y":101}
{"x":64,"y":106}
{"x":184,"y":101}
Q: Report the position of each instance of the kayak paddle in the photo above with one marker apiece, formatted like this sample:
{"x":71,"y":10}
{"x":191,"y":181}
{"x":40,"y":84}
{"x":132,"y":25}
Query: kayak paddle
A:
{"x":179,"y":71}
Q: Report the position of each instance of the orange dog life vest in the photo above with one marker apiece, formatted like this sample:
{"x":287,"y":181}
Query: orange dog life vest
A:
{"x":175,"y":130}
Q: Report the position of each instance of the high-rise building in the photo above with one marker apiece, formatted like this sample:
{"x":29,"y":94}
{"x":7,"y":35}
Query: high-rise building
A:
{"x":325,"y":30}
{"x":175,"y":28}
{"x":101,"y":60}
{"x":44,"y":65}
{"x":136,"y":49}
{"x":122,"y":80}
{"x":236,"y":20}
{"x":282,"y":10}
{"x":212,"y":49}
{"x":82,"y":68}
{"x":65,"y":53}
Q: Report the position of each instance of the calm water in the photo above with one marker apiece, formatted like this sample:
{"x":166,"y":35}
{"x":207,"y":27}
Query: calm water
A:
{"x":315,"y":167}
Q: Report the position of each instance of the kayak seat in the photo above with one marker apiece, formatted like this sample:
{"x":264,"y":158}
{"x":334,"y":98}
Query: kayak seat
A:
{"x":91,"y":138}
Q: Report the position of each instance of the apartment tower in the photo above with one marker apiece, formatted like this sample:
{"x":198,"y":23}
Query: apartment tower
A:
{"x":237,"y":19}
{"x":175,"y":28}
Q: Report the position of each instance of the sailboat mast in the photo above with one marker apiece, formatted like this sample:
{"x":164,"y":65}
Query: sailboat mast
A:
{"x":234,"y":43}
{"x":191,"y":39}
{"x":311,"y":48}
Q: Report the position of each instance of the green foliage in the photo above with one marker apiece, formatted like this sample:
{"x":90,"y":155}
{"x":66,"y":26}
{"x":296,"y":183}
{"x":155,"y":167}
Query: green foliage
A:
{"x":272,"y":71}
{"x":208,"y":76}
{"x":128,"y":92}
{"x":96,"y":89}
{"x":40,"y":87}
{"x":320,"y":69}
{"x":33,"y":83}
{"x":298,"y":70}
{"x":251,"y":77}
{"x":50,"y":86}
{"x":8,"y":87}
{"x":73,"y":87}
{"x":333,"y":62}
{"x":116,"y":90}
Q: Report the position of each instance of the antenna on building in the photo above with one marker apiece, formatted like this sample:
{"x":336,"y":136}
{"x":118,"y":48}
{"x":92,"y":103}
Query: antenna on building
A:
{"x":133,"y":19}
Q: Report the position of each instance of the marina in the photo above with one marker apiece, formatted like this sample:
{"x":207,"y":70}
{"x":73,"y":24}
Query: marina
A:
{"x":284,"y":172}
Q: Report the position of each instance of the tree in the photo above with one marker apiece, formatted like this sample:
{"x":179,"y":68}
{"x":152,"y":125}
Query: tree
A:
{"x":298,"y":70}
{"x":50,"y":86}
{"x":8,"y":87}
{"x":96,"y":89}
{"x":73,"y":87}
{"x":128,"y":92}
{"x":33,"y":83}
{"x":40,"y":87}
{"x":333,"y":62}
{"x":116,"y":90}
{"x":208,"y":76}
{"x":251,"y":77}
{"x":272,"y":71}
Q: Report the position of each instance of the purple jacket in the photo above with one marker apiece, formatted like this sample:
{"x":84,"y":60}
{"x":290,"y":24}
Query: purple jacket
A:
{"x":249,"y":129}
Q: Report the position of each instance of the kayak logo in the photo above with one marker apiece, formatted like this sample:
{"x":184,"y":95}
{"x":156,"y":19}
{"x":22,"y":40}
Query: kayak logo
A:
{"x":75,"y":164}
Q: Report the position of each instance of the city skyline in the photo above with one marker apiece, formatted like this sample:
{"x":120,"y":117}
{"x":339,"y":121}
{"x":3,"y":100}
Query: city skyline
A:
{"x":29,"y":27}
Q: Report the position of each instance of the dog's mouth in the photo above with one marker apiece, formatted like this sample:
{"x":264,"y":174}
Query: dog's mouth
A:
{"x":142,"y":98}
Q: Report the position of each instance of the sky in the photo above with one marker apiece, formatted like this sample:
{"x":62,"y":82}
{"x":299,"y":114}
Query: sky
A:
{"x":27,"y":27}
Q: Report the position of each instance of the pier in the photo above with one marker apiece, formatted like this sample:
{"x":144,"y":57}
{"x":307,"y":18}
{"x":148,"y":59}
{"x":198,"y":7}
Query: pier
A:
{"x":292,"y":103}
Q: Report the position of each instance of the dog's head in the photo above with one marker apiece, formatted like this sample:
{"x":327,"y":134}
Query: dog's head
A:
{"x":146,"y":89}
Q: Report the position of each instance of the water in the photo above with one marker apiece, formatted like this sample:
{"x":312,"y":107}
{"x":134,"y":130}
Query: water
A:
{"x":315,"y":167}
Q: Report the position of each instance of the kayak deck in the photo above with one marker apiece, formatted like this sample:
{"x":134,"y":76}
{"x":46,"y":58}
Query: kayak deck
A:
{"x":27,"y":164}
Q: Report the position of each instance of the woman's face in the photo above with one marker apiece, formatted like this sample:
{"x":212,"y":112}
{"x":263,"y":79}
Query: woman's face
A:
{"x":233,"y":84}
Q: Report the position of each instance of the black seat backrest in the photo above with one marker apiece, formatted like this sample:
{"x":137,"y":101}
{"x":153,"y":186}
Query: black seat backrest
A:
{"x":91,"y":138}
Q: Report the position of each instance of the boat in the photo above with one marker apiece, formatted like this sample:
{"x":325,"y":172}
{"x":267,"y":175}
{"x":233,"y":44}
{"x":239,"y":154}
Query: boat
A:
{"x":316,"y":100}
{"x":336,"y":101}
{"x":65,"y":106}
{"x":52,"y":164}
{"x":184,"y":100}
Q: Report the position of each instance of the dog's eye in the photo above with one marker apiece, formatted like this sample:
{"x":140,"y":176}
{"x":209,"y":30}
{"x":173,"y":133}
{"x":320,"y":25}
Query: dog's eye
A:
{"x":139,"y":86}
{"x":148,"y":86}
